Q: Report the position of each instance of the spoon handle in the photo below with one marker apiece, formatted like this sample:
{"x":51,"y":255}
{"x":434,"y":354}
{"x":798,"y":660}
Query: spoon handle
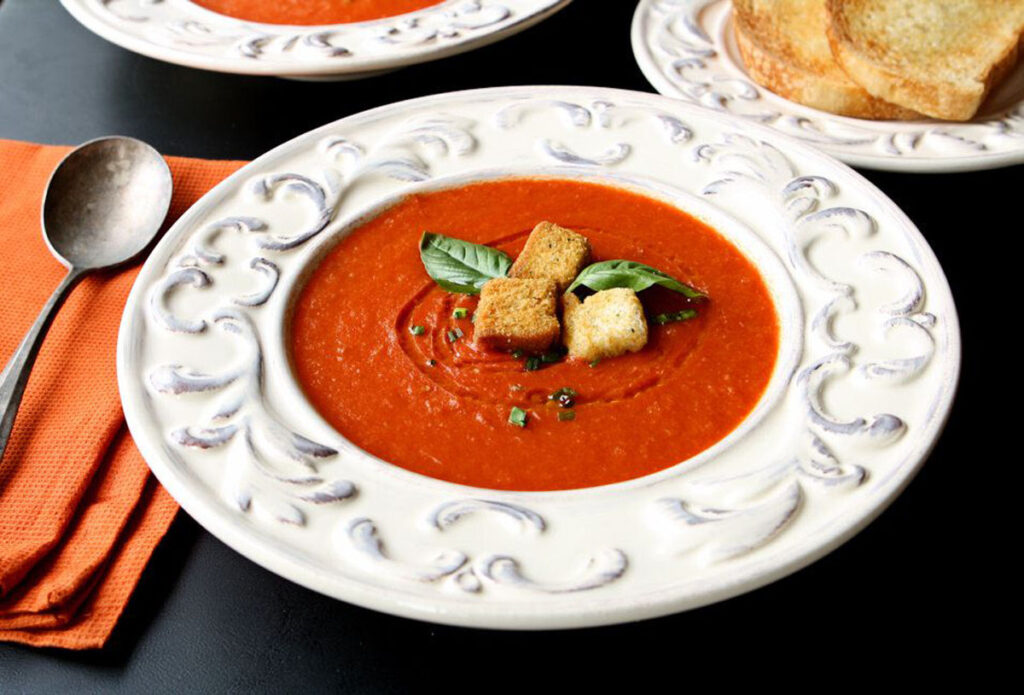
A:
{"x":15,"y":375}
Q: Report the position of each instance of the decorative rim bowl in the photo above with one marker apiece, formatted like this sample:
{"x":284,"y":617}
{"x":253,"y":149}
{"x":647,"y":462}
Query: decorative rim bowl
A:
{"x":182,"y":32}
{"x":868,"y":365}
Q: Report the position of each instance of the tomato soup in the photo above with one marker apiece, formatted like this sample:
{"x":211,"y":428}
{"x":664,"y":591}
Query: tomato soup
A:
{"x":440,"y":407}
{"x":306,"y":12}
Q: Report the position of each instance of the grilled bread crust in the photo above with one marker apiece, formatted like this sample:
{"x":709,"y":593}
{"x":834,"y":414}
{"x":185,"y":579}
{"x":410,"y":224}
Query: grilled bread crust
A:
{"x":785,"y":49}
{"x":938,"y":57}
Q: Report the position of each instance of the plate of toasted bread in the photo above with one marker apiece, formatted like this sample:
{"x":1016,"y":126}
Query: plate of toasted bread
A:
{"x":908,"y":85}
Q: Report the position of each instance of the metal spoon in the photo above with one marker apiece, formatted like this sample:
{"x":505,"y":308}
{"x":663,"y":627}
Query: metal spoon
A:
{"x":104,"y":204}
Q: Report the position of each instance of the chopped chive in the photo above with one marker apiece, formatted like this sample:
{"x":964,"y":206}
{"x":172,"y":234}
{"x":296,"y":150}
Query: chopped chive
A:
{"x":516,"y":354}
{"x":566,"y":415}
{"x":685,"y":314}
{"x":460,"y":312}
{"x":517,"y":417}
{"x":551,"y":357}
{"x":417,"y":330}
{"x":532,"y":364}
{"x":431,"y":363}
{"x":594,"y":363}
{"x":565,"y":397}
{"x":454,"y":335}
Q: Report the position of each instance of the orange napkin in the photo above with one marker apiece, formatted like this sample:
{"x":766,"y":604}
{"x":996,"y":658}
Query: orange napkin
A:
{"x":80,"y":513}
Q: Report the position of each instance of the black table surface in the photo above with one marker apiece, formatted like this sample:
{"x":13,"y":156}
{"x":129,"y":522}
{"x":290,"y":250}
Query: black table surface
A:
{"x":206,"y":618}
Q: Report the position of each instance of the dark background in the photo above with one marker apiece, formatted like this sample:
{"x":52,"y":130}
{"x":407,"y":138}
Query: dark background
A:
{"x":204,"y":618}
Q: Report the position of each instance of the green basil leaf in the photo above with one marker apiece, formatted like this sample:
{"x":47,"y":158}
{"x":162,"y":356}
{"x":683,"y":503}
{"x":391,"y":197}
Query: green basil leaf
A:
{"x":459,"y":266}
{"x":630,"y":274}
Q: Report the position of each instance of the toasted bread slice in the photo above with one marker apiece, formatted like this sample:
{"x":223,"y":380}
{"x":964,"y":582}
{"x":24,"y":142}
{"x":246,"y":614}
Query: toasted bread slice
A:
{"x":938,"y":57}
{"x":784,"y":47}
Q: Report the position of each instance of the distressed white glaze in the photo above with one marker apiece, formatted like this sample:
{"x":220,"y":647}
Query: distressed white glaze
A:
{"x":866,"y":373}
{"x":179,"y":31}
{"x":687,"y":50}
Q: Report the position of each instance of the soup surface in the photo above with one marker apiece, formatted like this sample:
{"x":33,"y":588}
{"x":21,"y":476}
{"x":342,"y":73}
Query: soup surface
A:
{"x":441,"y":407}
{"x":307,"y":12}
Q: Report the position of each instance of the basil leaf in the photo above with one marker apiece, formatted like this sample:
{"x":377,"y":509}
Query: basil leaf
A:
{"x":459,"y":266}
{"x":630,"y":274}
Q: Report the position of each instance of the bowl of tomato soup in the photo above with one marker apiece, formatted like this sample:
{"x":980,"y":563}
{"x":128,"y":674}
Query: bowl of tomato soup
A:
{"x":298,"y":379}
{"x":387,"y":357}
{"x":307,"y":39}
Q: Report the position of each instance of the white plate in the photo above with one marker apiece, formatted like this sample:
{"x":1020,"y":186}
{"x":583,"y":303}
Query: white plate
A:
{"x":179,"y":31}
{"x":686,"y":49}
{"x":867,"y":368}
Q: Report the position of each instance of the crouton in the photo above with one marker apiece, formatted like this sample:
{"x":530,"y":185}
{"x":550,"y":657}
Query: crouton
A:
{"x":607,"y":324}
{"x":552,"y":252}
{"x":517,"y":314}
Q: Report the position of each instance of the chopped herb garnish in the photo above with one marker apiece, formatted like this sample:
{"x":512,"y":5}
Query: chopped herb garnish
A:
{"x":535,"y":362}
{"x":417,"y":330}
{"x":566,"y":415}
{"x":552,"y":357}
{"x":460,"y":312}
{"x":454,"y":335}
{"x":517,"y":417}
{"x":594,"y":363}
{"x":431,"y":363}
{"x":684,"y":315}
{"x":565,"y":397}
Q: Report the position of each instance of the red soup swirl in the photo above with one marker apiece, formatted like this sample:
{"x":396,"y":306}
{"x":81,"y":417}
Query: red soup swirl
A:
{"x":388,"y":358}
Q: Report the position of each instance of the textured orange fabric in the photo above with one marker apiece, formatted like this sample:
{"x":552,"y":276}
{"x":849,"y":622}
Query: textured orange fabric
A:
{"x":80,"y":513}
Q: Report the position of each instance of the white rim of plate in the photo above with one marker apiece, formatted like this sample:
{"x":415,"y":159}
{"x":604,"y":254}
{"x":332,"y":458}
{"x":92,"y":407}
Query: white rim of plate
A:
{"x":181,"y":32}
{"x":865,"y":380}
{"x":686,"y":49}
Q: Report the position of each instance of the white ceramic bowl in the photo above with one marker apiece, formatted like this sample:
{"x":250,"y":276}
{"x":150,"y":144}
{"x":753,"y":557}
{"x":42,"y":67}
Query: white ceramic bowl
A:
{"x":864,"y":381}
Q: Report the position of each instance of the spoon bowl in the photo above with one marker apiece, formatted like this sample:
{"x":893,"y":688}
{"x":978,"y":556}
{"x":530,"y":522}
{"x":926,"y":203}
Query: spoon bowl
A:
{"x":105,"y":202}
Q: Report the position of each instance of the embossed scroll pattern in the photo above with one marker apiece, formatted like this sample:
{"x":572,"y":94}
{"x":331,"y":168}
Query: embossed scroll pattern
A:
{"x":270,"y":465}
{"x":452,"y":568}
{"x":188,"y":28}
{"x":777,"y":488}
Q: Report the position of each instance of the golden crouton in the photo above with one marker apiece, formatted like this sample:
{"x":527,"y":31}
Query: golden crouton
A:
{"x":607,"y":324}
{"x":517,"y":314}
{"x":552,"y":252}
